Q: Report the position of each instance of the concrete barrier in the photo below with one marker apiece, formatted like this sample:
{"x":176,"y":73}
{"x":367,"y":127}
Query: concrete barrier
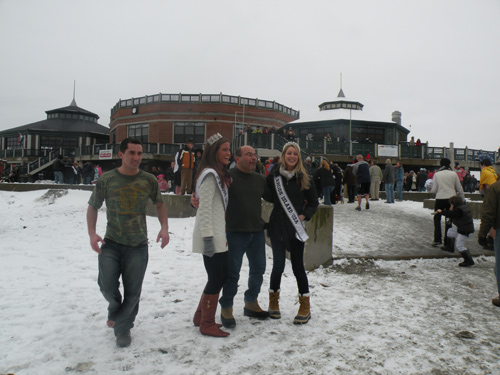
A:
{"x":318,"y":248}
{"x":474,"y":207}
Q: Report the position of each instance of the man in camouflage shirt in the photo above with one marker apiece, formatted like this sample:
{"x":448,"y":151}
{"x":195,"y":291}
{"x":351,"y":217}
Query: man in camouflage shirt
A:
{"x":124,"y":250}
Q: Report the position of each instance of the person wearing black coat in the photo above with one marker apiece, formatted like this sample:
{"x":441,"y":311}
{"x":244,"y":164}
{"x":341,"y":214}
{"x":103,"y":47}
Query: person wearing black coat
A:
{"x":463,"y":225}
{"x":326,"y":180}
{"x":292,"y":176}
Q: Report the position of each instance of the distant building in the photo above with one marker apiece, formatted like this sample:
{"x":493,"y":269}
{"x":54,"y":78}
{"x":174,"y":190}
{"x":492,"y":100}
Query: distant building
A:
{"x":65,"y":129}
{"x":344,"y":120}
{"x":174,"y":118}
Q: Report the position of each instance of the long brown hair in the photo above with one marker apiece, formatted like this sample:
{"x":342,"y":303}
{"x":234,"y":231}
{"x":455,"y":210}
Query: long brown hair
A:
{"x":209,"y":160}
{"x":300,"y":170}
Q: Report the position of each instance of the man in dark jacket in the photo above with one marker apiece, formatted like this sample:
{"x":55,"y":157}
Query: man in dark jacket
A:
{"x":388,"y":178}
{"x":463,"y":225}
{"x":58,"y":167}
{"x":421,"y":179}
{"x":87,"y":173}
{"x":362,"y":171}
{"x":490,"y":224}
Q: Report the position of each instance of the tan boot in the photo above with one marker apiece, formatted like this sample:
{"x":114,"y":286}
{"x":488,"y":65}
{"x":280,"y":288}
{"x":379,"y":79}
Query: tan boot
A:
{"x":253,"y":310}
{"x":304,"y":313}
{"x":227,"y":318}
{"x":274,"y":305}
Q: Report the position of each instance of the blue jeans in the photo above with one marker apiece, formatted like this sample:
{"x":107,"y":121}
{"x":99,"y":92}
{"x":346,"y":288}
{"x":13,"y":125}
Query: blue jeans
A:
{"x":389,"y":193}
{"x":254,"y":245}
{"x":130,"y":262}
{"x":399,"y":189}
{"x":58,"y":177}
{"x":326,"y":193}
{"x":497,"y":258}
{"x":87,"y":180}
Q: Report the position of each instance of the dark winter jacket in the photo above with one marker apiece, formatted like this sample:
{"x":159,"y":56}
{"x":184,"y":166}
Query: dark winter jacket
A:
{"x":362,"y":171}
{"x":349,"y":178}
{"x":87,"y":170}
{"x":325,"y":177}
{"x":305,"y":203}
{"x":490,"y":210}
{"x":421,"y":179}
{"x":462,"y":218}
{"x":389,"y":175}
{"x":58,"y":165}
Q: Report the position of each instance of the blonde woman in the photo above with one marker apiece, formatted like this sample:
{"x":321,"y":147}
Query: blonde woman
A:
{"x":295,"y":201}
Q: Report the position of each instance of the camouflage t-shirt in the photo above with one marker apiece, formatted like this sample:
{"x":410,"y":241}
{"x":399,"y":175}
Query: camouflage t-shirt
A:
{"x":126,"y":199}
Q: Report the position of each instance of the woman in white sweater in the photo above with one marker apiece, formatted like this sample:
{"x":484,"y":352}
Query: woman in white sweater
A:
{"x":445,"y":184}
{"x":209,"y":234}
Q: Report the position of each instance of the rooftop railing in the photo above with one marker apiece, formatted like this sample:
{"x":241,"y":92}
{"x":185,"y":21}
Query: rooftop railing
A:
{"x":205,"y":98}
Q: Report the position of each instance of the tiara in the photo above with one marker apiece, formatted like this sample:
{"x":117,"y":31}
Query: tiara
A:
{"x":214,"y":138}
{"x":294,"y":144}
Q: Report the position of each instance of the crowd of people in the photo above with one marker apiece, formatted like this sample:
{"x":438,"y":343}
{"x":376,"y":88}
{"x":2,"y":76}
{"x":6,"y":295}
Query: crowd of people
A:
{"x":229,"y":222}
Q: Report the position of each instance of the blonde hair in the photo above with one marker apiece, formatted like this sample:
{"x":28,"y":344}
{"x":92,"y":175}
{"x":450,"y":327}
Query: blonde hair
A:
{"x":300,"y":170}
{"x":325,"y":164}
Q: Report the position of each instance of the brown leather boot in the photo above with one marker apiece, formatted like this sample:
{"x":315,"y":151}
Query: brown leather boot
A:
{"x":304,"y":313}
{"x":208,"y":308}
{"x":274,"y":305}
{"x":197,"y":314}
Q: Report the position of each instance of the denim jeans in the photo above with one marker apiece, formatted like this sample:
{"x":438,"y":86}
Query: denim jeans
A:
{"x":389,"y":193}
{"x":58,"y":177}
{"x":326,"y":193}
{"x":130,"y":262}
{"x":239,"y":243}
{"x":87,"y":180}
{"x":399,"y":189}
{"x":497,"y":258}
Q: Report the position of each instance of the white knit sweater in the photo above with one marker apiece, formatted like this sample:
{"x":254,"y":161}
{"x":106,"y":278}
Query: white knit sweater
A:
{"x":446,"y":184}
{"x":210,"y":217}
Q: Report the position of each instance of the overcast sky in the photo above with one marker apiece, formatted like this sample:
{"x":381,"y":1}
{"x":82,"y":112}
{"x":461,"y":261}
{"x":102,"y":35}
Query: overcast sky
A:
{"x":435,"y":61}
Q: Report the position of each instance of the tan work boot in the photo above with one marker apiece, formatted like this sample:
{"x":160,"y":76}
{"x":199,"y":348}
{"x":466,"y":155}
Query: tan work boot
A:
{"x":227,"y":318}
{"x":253,"y":310}
{"x":304,"y":313}
{"x":274,"y":305}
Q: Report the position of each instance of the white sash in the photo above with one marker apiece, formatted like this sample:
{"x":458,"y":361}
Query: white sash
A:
{"x":222,"y":187}
{"x":300,"y":228}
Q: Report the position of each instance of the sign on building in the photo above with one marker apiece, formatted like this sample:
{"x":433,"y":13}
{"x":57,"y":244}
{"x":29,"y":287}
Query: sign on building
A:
{"x":105,"y":154}
{"x":387,"y":150}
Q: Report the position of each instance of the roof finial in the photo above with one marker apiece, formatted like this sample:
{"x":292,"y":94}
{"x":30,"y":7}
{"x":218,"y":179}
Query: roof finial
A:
{"x":73,"y":102}
{"x":341,"y":93}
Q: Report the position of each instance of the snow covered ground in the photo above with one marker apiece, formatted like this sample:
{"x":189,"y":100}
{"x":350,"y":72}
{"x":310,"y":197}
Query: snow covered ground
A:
{"x":368,"y":317}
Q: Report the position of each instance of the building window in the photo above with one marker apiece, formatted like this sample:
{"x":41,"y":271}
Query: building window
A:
{"x":139,"y":132}
{"x":55,"y":143}
{"x":13,"y":143}
{"x":189,"y":130}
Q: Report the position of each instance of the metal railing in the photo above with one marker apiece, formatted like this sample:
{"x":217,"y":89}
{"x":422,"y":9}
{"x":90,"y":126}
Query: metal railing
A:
{"x":265,"y":141}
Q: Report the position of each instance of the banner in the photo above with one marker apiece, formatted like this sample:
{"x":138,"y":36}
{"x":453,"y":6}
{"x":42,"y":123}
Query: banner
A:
{"x":105,"y":154}
{"x":387,"y":150}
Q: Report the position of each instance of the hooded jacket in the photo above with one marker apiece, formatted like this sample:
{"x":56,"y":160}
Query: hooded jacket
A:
{"x":488,"y":177}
